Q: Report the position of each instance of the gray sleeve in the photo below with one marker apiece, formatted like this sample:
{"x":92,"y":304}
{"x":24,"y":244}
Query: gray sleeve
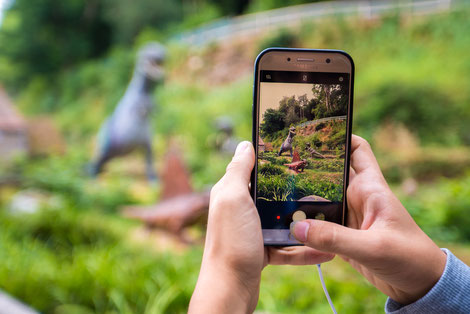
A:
{"x":451,"y":294}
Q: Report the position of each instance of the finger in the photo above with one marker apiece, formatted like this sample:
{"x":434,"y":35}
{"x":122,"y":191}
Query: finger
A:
{"x":333,"y":238}
{"x":239,"y":169}
{"x":362,"y":156}
{"x":297,"y":255}
{"x":352,"y":174}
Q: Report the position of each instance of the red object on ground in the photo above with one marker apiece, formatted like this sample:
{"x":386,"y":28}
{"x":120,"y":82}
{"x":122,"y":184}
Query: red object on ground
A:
{"x":297,"y":166}
{"x":179,"y":206}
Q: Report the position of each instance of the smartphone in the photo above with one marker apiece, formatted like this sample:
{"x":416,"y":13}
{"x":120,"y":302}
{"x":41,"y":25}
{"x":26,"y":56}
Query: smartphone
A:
{"x":302,"y":118}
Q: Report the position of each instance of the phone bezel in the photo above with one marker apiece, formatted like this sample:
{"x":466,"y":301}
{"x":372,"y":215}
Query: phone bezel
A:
{"x":255,"y":130}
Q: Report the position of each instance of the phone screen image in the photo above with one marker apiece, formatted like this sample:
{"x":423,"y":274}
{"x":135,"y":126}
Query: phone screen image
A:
{"x":302,"y":134}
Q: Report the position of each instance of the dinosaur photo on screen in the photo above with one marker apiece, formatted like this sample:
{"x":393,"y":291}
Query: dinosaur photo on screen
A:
{"x":302,"y":142}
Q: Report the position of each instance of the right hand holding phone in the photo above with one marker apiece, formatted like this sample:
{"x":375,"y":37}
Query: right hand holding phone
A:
{"x":382,"y":241}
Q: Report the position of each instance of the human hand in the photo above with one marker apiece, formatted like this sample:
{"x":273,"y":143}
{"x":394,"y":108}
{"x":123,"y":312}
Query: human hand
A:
{"x":382,"y":242}
{"x":234,"y":254}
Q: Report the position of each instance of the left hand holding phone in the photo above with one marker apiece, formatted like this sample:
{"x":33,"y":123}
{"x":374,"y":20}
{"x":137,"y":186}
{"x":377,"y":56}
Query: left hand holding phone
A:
{"x":234,"y":254}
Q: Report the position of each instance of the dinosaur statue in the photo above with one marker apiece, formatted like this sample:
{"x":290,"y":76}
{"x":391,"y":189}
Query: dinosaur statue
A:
{"x":313,"y":153}
{"x":225,"y":141}
{"x":128,"y":127}
{"x":297,"y":164}
{"x":287,"y":145}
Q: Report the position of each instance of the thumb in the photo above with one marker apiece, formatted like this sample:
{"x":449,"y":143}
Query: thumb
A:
{"x":239,"y":169}
{"x":333,"y":238}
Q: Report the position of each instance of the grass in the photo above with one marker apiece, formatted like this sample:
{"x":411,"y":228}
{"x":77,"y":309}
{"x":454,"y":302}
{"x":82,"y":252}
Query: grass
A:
{"x":103,"y":271}
{"x":64,"y":261}
{"x":286,"y":187}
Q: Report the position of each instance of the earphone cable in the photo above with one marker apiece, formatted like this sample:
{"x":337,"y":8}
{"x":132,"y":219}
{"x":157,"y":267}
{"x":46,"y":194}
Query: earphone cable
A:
{"x":325,"y":290}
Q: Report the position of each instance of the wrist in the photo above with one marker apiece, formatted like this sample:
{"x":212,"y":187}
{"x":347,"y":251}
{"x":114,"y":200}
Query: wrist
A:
{"x":433,"y":274}
{"x":230,"y":291}
{"x":423,"y":272}
{"x":242,"y":285}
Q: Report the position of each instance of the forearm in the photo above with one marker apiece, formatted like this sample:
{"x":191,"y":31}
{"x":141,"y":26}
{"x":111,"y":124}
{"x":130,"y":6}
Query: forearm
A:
{"x":219,"y":290}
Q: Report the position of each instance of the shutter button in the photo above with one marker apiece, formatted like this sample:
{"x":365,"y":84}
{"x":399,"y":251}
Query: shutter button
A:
{"x":297,"y":216}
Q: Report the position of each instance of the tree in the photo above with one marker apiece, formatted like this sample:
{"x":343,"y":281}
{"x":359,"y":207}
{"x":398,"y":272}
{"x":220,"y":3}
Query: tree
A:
{"x":44,"y":36}
{"x":285,"y":103}
{"x":339,"y":99}
{"x":310,"y":109}
{"x":292,"y":117}
{"x":332,"y":100}
{"x":303,"y":102}
{"x":273,"y":121}
{"x":129,"y":18}
{"x":231,"y":7}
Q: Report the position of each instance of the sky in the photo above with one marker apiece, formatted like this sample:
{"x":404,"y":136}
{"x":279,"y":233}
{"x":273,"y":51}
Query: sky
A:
{"x":272,"y":93}
{"x":3,"y":5}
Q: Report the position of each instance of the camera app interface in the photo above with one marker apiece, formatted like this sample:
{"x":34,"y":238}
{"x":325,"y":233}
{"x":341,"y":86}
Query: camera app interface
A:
{"x":301,"y":145}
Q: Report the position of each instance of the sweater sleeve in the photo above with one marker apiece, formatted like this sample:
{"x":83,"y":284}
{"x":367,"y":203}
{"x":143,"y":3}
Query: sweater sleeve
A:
{"x":451,"y":294}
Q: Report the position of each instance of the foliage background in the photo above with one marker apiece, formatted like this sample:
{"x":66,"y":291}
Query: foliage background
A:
{"x":78,"y":255}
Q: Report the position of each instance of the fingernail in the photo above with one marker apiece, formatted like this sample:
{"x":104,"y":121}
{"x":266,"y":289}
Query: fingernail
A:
{"x":241,"y":147}
{"x":301,"y":230}
{"x":291,"y":227}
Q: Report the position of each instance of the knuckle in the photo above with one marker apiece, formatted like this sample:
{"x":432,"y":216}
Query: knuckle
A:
{"x":352,"y":189}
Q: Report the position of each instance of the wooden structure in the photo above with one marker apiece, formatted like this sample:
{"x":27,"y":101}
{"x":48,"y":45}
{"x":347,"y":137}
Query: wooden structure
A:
{"x":261,"y":145}
{"x":13,"y":129}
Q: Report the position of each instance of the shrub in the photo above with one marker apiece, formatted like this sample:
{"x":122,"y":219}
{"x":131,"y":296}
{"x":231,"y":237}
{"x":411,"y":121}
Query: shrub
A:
{"x":306,"y":186}
{"x":270,"y":169}
{"x":441,"y":209}
{"x":337,"y":139}
{"x":274,"y":159}
{"x":276,"y":187}
{"x":330,"y":165}
{"x":420,"y":107}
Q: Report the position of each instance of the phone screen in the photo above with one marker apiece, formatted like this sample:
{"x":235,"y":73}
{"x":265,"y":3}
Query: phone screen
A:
{"x":302,"y":132}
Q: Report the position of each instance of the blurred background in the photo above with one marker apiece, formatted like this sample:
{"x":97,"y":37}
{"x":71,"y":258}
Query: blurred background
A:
{"x":77,"y":240}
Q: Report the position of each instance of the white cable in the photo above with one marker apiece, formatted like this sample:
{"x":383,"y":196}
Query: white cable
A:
{"x":325,"y":290}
